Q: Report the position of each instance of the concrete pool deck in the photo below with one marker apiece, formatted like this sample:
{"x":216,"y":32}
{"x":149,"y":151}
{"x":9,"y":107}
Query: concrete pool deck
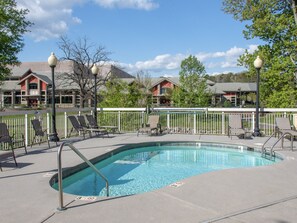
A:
{"x":259,"y":194}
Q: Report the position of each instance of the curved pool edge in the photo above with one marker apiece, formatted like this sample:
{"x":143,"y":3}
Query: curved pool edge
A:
{"x":120,"y":148}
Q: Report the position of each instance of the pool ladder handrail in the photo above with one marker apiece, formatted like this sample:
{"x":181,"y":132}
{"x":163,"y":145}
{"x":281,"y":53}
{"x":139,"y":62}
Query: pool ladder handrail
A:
{"x":60,"y":178}
{"x":263,"y":149}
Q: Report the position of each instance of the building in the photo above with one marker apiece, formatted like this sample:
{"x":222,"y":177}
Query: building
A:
{"x":30,"y":85}
{"x":233,"y":92}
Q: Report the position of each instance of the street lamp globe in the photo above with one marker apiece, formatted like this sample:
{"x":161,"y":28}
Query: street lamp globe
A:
{"x":95,"y":69}
{"x":258,"y":63}
{"x":52,"y":60}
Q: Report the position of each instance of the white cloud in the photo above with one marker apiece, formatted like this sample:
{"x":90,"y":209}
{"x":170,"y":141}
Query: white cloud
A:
{"x":134,"y":4}
{"x":52,"y":18}
{"x":214,"y":62}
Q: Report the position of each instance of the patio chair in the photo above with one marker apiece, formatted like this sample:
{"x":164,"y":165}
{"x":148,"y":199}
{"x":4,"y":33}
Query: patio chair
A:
{"x":152,"y":127}
{"x":235,"y":126}
{"x":11,"y":140}
{"x":283,"y":127}
{"x":77,"y":126}
{"x":39,"y":132}
{"x":92,"y":128}
{"x":92,"y":121}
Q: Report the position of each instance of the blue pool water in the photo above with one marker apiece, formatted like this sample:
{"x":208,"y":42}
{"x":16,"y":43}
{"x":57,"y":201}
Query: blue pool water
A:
{"x":148,"y":168}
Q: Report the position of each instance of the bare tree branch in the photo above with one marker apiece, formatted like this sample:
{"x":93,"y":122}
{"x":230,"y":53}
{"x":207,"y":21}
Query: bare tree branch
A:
{"x":83,"y":56}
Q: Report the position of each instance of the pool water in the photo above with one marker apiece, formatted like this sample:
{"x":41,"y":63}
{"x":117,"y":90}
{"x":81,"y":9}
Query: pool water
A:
{"x":152,"y":167}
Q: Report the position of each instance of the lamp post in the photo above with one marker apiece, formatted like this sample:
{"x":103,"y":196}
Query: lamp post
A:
{"x":239,"y":98}
{"x":95,"y":72}
{"x":52,"y":62}
{"x":258,"y":65}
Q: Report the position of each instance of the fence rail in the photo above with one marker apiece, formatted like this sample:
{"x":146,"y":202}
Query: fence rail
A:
{"x":176,"y":120}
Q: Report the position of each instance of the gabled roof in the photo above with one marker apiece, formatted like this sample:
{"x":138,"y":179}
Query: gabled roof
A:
{"x":158,"y":80}
{"x":236,"y":86}
{"x":39,"y":76}
{"x":174,"y":80}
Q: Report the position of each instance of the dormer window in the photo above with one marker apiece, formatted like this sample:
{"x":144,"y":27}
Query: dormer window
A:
{"x":163,"y":90}
{"x":33,"y":86}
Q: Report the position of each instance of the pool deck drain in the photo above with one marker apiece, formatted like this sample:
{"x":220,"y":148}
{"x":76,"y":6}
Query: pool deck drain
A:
{"x":234,"y":195}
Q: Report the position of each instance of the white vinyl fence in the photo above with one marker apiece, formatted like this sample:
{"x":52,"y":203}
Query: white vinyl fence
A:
{"x":174,"y":120}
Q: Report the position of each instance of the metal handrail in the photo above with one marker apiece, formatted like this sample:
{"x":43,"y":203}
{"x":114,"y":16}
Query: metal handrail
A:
{"x":280,"y":138}
{"x":61,"y":206}
{"x":263,"y":149}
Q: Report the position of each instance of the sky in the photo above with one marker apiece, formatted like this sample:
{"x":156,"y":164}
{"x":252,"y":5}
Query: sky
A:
{"x":152,"y":36}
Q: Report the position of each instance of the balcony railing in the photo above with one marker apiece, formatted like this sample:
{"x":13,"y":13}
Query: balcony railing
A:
{"x":213,"y":121}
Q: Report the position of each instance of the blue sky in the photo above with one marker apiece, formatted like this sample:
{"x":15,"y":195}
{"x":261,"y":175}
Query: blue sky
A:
{"x":149,"y":35}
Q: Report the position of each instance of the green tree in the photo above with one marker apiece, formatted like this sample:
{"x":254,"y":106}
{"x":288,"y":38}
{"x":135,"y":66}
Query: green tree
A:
{"x":113,"y":96}
{"x":121,"y":94}
{"x":192,"y":91}
{"x":275,"y":23}
{"x":13,"y":25}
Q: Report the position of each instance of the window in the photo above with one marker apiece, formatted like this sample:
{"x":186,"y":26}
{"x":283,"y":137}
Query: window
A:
{"x":163,"y":90}
{"x":33,"y":86}
{"x":67,"y":99}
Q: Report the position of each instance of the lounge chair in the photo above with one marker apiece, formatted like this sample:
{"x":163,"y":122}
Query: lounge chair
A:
{"x":6,"y":138}
{"x":39,"y":132}
{"x":93,"y":124}
{"x":283,"y":127}
{"x":77,"y":127}
{"x":92,"y":128}
{"x":235,"y":126}
{"x":152,"y":127}
{"x":92,"y":121}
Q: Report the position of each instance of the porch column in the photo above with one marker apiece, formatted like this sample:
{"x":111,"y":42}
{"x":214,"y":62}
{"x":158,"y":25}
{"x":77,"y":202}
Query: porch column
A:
{"x":12,"y":98}
{"x":73,"y":98}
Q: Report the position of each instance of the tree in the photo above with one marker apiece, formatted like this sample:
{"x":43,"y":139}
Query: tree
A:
{"x":144,"y":81}
{"x":275,"y":23}
{"x":193,"y":88}
{"x":121,"y":94}
{"x":13,"y":25}
{"x":83,"y":55}
{"x":113,"y":96}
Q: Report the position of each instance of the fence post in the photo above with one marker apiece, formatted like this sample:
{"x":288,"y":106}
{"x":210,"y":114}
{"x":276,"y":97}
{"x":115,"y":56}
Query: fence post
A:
{"x":168,"y":120}
{"x":194,"y":123}
{"x":223,"y":123}
{"x":253,"y":121}
{"x":48,"y":123}
{"x":66,"y":125}
{"x":119,"y":121}
{"x":26,"y":130}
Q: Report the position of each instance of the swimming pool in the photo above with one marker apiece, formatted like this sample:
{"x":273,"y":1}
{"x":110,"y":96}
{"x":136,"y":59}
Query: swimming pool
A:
{"x":148,"y":167}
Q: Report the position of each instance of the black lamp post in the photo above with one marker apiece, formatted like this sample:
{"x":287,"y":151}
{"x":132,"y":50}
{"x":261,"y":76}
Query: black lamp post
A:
{"x":95,"y":72}
{"x":258,"y":65}
{"x":52,"y":62}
